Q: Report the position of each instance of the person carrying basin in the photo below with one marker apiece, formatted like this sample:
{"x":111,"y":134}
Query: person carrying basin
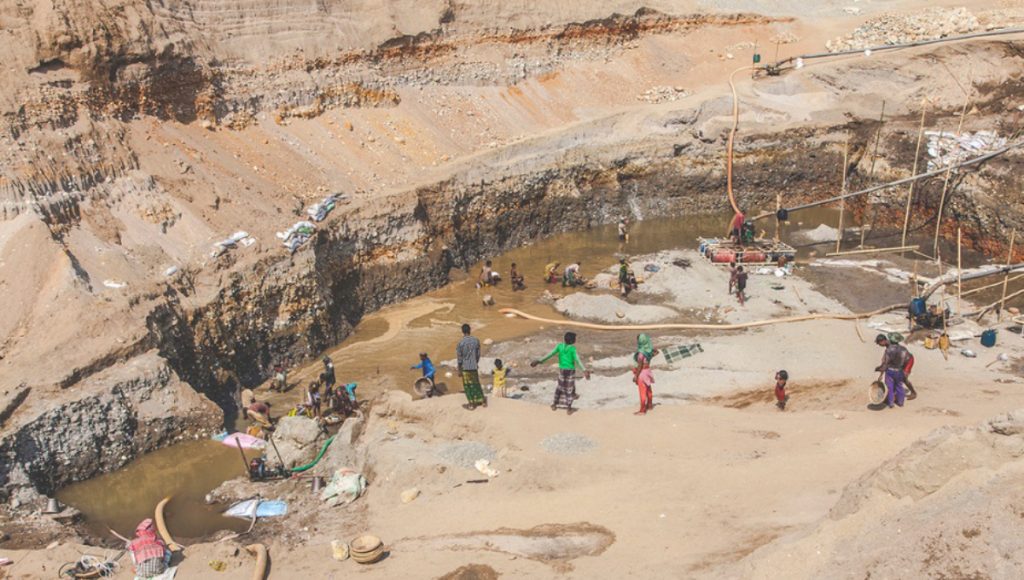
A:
{"x":427,"y":366}
{"x":894,"y":360}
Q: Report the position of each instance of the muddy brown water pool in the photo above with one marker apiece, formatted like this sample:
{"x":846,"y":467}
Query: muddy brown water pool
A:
{"x":188,"y":471}
{"x":378,"y":356}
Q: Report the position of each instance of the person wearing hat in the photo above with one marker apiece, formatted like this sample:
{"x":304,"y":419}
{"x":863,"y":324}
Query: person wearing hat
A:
{"x":149,"y":554}
{"x":428,"y":371}
{"x":894,"y":360}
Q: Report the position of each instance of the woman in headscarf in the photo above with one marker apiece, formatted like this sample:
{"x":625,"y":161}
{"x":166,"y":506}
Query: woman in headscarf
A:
{"x":149,"y":553}
{"x":642,"y":376}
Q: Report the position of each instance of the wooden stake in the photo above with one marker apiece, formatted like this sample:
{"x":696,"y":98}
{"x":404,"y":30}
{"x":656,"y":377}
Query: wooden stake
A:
{"x":871,"y":174}
{"x":917,"y":155}
{"x":917,"y":289}
{"x":842,"y":203}
{"x":1006,"y":279}
{"x":871,"y":251}
{"x":959,"y":275}
{"x":778,"y":206}
{"x":945,"y":181}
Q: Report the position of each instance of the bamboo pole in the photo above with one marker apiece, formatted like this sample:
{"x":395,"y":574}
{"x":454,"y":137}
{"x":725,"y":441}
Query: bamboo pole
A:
{"x":959,"y":275}
{"x":917,"y":287}
{"x":778,"y":206}
{"x":945,"y":181}
{"x":988,"y":286}
{"x":871,"y":174}
{"x":842,"y":203}
{"x":871,"y":251}
{"x":917,"y":155}
{"x":982,"y":312}
{"x":1006,"y":279}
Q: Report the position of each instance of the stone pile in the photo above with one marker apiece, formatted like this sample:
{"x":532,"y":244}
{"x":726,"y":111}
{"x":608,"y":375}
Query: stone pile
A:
{"x":890,"y":29}
{"x":656,"y":95}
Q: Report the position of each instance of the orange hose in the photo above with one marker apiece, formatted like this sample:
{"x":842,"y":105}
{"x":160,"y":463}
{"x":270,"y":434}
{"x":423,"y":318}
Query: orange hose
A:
{"x":161,"y":525}
{"x":732,"y":138}
{"x":688,"y":326}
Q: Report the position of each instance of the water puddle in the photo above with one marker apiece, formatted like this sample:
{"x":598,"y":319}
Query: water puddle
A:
{"x":188,"y":471}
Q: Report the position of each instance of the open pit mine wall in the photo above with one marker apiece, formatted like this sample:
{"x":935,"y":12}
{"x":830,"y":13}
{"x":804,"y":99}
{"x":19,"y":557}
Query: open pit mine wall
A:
{"x":402,"y":248}
{"x":125,"y":411}
{"x":406,"y":245}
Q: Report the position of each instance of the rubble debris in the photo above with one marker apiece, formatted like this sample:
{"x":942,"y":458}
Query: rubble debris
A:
{"x":946,"y":148}
{"x":891,"y":29}
{"x":662,"y":94}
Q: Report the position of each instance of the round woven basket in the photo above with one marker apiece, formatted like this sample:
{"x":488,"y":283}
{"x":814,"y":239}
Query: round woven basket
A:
{"x":422,"y":386}
{"x":877,"y":393}
{"x":365,"y":544}
{"x":370,"y":557}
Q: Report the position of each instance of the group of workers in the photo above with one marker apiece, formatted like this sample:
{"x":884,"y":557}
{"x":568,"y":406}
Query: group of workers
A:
{"x":489,"y":277}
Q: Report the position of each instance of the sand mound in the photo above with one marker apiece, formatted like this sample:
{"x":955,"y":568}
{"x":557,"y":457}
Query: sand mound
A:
{"x":605,"y":308}
{"x":948,"y":506}
{"x":820,"y":234}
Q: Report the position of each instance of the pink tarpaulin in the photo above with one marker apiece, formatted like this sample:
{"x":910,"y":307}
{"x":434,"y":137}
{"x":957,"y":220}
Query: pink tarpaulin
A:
{"x":247,"y":441}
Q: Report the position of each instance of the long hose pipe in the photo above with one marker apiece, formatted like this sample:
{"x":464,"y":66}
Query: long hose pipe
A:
{"x":161,"y":525}
{"x":688,"y":326}
{"x":319,"y":456}
{"x":262,"y":557}
{"x":732,"y":139}
{"x":885,"y":47}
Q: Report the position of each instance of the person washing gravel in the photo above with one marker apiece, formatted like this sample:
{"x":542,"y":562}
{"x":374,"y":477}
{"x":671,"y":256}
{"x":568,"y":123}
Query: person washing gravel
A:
{"x":467,"y":353}
{"x":568,"y":362}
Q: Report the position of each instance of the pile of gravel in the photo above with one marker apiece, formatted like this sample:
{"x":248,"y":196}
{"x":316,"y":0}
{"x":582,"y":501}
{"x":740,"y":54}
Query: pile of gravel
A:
{"x":889,"y":29}
{"x":568,"y":444}
{"x":465,"y":454}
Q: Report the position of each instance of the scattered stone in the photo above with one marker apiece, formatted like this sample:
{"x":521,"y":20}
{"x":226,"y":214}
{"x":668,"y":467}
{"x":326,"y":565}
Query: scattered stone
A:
{"x":410,"y":494}
{"x":466,"y":454}
{"x":488,"y":300}
{"x":568,"y":444}
{"x":663,"y":94}
{"x":890,"y":29}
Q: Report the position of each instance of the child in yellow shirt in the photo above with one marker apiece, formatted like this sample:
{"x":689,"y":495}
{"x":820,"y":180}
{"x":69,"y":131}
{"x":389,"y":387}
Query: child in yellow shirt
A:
{"x":499,"y":374}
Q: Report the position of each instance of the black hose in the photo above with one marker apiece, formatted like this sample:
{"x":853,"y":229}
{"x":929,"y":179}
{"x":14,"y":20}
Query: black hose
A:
{"x":874,"y":188}
{"x":999,"y":32}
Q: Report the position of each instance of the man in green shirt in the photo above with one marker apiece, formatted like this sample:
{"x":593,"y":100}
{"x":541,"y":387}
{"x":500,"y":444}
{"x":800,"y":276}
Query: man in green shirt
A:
{"x":568,"y":361}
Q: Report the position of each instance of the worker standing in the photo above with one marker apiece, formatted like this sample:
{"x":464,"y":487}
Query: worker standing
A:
{"x":894,"y":360}
{"x":467,"y":355}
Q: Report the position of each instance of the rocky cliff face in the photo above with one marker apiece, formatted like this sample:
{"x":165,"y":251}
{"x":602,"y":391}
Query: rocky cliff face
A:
{"x":116,"y":416}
